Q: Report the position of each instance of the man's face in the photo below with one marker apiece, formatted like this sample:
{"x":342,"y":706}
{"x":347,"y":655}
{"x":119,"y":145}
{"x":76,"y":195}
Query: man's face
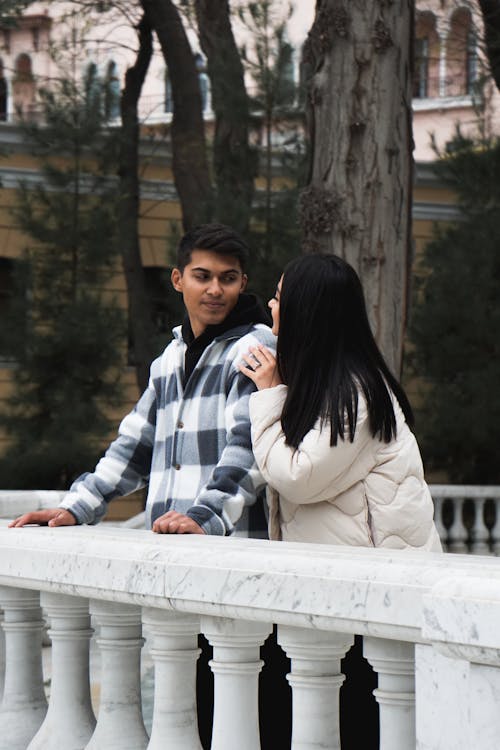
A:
{"x":210,"y":285}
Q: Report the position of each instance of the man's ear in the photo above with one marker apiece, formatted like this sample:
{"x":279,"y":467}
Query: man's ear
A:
{"x":176,"y":279}
{"x":244,"y":280}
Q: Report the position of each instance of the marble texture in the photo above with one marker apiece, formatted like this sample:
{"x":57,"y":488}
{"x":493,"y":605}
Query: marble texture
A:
{"x":446,"y":607}
{"x":376,"y":592}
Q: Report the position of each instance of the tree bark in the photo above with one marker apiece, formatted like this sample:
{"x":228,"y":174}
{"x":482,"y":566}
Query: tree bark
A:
{"x":189,"y":156}
{"x":141,"y":328}
{"x":235,"y":162}
{"x":357,"y":203}
{"x":490,"y":10}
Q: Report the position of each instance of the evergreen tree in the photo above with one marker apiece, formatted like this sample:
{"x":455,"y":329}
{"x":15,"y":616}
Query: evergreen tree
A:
{"x":65,"y":333}
{"x":279,"y":119}
{"x":456,"y":320}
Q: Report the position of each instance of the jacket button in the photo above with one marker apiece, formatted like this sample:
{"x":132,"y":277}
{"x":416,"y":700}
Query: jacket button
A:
{"x":177,"y":467}
{"x":180,"y":425}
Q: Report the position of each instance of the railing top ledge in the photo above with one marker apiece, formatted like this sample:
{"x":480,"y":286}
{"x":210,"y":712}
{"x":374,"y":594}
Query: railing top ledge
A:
{"x":16,"y":502}
{"x":465,"y":490}
{"x":370,"y":590}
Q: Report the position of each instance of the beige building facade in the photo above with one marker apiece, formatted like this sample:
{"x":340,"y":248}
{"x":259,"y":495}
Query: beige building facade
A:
{"x":451,"y":87}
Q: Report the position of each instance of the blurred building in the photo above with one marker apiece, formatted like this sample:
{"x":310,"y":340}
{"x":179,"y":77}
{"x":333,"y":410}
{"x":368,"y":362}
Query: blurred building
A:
{"x":451,"y":87}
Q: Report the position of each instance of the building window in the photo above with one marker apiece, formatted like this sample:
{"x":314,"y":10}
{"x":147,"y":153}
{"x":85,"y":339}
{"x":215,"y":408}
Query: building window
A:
{"x":12,"y":284}
{"x":23,"y":87}
{"x":23,"y":68}
{"x":6,"y":39}
{"x":92,"y":86}
{"x":112,"y":92}
{"x":4,"y":94}
{"x":6,"y":284}
{"x":168,"y":104}
{"x":461,"y":60}
{"x":426,"y":57}
{"x":471,"y":62}
{"x":421,"y":72}
{"x":203,"y":80}
{"x":35,"y":35}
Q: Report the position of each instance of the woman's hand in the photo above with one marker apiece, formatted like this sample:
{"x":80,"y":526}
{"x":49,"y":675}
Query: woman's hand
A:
{"x":261,"y":367}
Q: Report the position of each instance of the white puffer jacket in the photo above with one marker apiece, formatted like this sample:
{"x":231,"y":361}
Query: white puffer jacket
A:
{"x":366,"y":493}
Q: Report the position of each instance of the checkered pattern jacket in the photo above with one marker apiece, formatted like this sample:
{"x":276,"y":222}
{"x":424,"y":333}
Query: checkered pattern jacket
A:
{"x":192,"y":445}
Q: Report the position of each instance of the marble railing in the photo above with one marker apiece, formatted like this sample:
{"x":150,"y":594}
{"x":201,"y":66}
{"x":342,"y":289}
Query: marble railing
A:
{"x":467,"y":516}
{"x":429,"y":622}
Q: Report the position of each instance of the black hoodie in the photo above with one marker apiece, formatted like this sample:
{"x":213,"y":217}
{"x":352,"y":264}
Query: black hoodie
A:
{"x":248,"y":310}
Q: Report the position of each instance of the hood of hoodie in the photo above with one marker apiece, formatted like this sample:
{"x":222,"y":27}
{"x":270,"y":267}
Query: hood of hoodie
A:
{"x":248,"y":311}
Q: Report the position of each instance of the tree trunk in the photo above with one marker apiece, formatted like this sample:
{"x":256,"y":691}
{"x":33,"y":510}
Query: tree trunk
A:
{"x":141,"y":328}
{"x":189,"y":157}
{"x":490,"y":10}
{"x":358,"y":200}
{"x":235,"y":162}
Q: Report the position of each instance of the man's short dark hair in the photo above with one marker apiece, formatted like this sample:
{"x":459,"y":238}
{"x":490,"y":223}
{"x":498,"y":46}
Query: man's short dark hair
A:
{"x":217,"y":238}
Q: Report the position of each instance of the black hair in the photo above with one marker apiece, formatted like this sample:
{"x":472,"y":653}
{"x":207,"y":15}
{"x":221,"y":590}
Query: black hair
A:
{"x":217,"y":238}
{"x":326,"y":352}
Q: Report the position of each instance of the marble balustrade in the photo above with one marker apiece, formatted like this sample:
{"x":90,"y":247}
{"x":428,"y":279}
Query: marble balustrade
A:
{"x":467,"y":516}
{"x":430,"y":627}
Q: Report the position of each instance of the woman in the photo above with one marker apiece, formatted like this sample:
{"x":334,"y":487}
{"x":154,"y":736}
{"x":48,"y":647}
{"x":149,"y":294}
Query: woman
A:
{"x":331,"y":426}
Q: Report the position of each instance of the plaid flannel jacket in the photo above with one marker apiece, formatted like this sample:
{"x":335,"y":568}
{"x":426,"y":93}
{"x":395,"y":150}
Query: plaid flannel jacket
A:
{"x":191,"y":444}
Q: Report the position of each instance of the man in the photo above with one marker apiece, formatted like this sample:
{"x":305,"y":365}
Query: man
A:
{"x":188,"y":437}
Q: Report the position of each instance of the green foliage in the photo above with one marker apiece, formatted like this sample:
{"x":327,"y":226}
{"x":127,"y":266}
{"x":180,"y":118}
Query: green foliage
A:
{"x":10,"y":10}
{"x":276,"y":242}
{"x":274,"y":99}
{"x":269,"y":59}
{"x":64,"y":333}
{"x":456,"y":321}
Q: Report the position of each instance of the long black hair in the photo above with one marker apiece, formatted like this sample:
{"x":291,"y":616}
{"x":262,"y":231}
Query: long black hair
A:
{"x":326,"y":352}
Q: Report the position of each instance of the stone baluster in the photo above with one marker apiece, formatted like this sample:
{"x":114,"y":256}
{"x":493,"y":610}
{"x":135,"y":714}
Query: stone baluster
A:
{"x":174,"y":650}
{"x":438,"y":519}
{"x":394,"y":662}
{"x":457,"y":533}
{"x":236,"y":666}
{"x":315,"y":679}
{"x":479,"y":535}
{"x":70,"y":720}
{"x":120,"y":724}
{"x":24,"y":704}
{"x":2,"y":655}
{"x":495,"y":531}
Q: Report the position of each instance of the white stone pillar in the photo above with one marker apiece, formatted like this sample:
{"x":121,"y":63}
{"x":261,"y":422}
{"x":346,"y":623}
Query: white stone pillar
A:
{"x":316,"y":680}
{"x":2,"y":655}
{"x":479,"y":533}
{"x":236,"y":665}
{"x":442,"y":701}
{"x":460,"y":619}
{"x":457,"y":533}
{"x":394,"y":662}
{"x":119,"y":722}
{"x":438,"y":519}
{"x":174,"y":650}
{"x":24,"y":704}
{"x":495,"y":531}
{"x":70,"y":720}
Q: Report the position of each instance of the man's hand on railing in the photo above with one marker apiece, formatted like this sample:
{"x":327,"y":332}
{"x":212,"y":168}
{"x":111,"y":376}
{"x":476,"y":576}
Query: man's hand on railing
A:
{"x":48,"y":517}
{"x":172,"y":522}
